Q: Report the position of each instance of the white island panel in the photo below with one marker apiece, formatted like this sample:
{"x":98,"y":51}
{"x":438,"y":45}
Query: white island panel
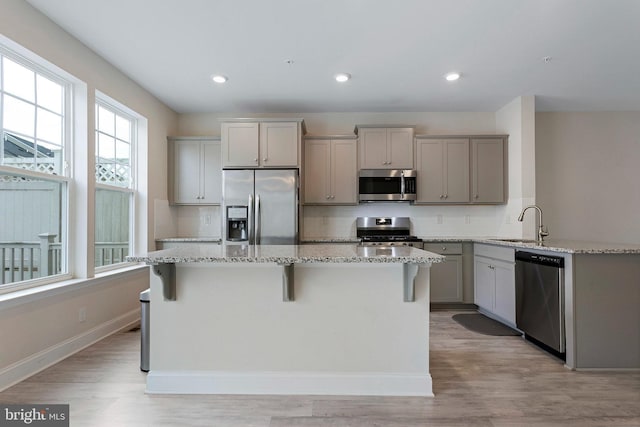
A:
{"x":347,"y":332}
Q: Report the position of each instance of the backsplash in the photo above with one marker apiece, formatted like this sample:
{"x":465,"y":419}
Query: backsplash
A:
{"x":340,"y":221}
{"x":426,"y":221}
{"x":186,"y":221}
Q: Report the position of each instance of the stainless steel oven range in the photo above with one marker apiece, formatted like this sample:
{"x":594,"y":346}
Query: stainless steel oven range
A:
{"x":386,"y":232}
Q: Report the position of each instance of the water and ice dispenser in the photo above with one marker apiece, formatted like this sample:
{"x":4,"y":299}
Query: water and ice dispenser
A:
{"x":237,"y":223}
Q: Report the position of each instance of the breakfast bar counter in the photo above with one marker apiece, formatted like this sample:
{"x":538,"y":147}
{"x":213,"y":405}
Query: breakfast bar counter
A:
{"x":290,"y":319}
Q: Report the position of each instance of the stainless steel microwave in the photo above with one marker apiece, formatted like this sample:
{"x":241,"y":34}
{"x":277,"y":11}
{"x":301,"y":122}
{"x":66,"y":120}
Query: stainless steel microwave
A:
{"x":387,"y":185}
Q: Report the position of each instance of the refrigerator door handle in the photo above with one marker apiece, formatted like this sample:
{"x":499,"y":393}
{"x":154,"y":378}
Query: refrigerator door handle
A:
{"x":257,"y":219}
{"x":250,"y":219}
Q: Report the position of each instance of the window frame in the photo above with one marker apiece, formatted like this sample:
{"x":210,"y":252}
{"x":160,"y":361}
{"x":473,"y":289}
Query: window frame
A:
{"x":104,"y":101}
{"x":64,"y":176}
{"x":67,"y":110}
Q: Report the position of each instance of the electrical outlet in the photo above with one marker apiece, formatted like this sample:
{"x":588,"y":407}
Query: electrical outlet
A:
{"x":82,"y":314}
{"x":439,"y":219}
{"x":207,"y":220}
{"x":467,"y":219}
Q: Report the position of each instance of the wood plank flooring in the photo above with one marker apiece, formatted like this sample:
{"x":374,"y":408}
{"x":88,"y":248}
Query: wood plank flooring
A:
{"x":478,"y":381}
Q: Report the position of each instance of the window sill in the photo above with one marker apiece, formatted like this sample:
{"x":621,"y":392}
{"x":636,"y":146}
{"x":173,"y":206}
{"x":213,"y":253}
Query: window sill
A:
{"x":35,"y":293}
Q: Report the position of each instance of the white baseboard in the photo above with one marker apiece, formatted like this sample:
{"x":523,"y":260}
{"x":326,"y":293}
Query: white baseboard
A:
{"x":35,"y":363}
{"x":292,"y":383}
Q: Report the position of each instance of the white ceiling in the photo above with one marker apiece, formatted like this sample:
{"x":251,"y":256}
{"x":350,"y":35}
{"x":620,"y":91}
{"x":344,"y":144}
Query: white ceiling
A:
{"x":397,"y":52}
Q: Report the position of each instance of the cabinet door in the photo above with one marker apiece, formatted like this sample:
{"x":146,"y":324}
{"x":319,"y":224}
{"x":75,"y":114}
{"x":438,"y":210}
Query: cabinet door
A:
{"x":446,"y":280}
{"x":317,"y":171}
{"x":456,"y":161}
{"x":344,"y":165}
{"x":430,"y":169}
{"x":488,"y":170}
{"x":240,"y":144}
{"x":186,"y":172}
{"x":373,"y":148}
{"x":400,"y":148}
{"x":279,"y":144}
{"x":505,"y":293}
{"x":484,"y":284}
{"x":211,"y":175}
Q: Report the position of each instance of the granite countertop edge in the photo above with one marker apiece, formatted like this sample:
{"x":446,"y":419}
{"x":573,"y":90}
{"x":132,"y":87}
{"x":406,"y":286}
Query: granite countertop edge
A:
{"x":550,"y":245}
{"x":191,"y":239}
{"x":288,"y":260}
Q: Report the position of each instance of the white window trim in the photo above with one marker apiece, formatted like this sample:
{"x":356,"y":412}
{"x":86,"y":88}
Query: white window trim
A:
{"x":75,"y":94}
{"x":111,"y":104}
{"x":41,"y":66}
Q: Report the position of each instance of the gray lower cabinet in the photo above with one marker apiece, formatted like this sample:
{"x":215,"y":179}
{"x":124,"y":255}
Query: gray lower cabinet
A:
{"x":494,"y":282}
{"x":446,"y":277}
{"x":183,"y":244}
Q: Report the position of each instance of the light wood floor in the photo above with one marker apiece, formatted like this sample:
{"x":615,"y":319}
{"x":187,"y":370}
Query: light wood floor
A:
{"x":478,"y":381}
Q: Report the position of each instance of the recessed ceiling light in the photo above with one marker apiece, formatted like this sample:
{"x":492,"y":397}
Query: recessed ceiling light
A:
{"x":342,"y":77}
{"x":452,"y":77}
{"x":219,"y":78}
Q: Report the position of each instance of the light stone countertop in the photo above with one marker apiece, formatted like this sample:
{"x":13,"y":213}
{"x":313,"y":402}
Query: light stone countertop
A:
{"x":567,"y":246}
{"x":549,"y":244}
{"x":191,"y":239}
{"x":352,"y":240}
{"x":288,"y":254}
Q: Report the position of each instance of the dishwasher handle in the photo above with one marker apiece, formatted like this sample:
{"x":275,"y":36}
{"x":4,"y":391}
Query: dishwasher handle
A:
{"x":540,"y":259}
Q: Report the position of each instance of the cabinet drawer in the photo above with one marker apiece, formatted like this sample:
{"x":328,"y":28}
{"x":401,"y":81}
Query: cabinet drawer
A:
{"x":444,"y":248}
{"x":496,"y":252}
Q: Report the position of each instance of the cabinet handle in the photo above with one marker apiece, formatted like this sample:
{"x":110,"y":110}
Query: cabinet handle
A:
{"x":446,"y":196}
{"x":444,"y":248}
{"x":255,"y":160}
{"x":328,"y":197}
{"x":442,"y":196}
{"x":264,"y":160}
{"x":476,"y":196}
{"x":333,"y":197}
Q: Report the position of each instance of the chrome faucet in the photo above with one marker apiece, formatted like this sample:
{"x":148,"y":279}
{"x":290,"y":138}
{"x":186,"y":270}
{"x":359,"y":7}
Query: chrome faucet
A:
{"x":542,"y":233}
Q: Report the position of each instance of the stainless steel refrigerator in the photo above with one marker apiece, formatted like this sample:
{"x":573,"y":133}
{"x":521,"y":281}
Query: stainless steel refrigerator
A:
{"x":260,"y":206}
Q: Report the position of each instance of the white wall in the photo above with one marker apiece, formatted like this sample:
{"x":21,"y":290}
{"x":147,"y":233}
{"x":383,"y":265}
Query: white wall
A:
{"x":588,"y":175}
{"x":37,"y":331}
{"x":517,"y":119}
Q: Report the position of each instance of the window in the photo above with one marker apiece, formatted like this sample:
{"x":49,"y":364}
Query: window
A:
{"x":115,"y":141}
{"x":33,"y":185}
{"x":32,"y":119}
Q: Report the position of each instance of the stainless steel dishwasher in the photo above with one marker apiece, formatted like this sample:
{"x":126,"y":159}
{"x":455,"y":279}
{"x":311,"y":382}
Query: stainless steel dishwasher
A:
{"x":540,"y":299}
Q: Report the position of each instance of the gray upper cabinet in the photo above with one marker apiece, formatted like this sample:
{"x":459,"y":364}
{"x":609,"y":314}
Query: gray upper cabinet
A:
{"x":330,"y":171}
{"x":488,"y":170}
{"x":195,"y":173}
{"x":461,"y":169}
{"x":261,"y":143}
{"x":385,"y":147}
{"x":443,"y":170}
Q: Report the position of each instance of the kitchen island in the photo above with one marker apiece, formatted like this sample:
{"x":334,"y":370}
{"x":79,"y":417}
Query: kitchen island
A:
{"x":307,"y":319}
